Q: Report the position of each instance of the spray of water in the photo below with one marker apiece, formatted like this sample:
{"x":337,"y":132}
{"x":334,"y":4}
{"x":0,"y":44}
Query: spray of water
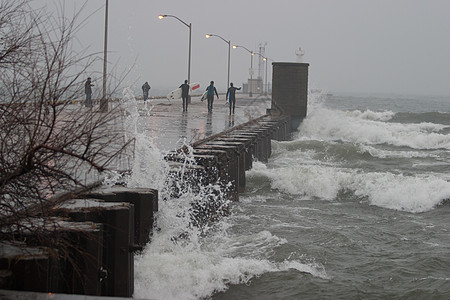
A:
{"x":192,"y":253}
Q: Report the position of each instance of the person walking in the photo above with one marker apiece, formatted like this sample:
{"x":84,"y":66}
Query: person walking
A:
{"x":145,"y":89}
{"x":185,"y":94}
{"x":211,"y":89}
{"x":231,"y":96}
{"x":88,"y":91}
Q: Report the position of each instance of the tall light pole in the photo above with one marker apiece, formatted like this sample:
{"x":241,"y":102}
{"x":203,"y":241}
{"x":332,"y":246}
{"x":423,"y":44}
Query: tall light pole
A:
{"x":265,"y":84}
{"x":229,"y":47}
{"x":190,"y":39}
{"x":250,"y":85}
{"x":264,"y":59}
{"x":104,"y":100}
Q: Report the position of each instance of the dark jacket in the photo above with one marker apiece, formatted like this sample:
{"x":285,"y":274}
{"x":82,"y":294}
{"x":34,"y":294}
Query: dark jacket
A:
{"x":146,"y":87}
{"x":184,"y":90}
{"x":87,"y":87}
{"x":211,"y":90}
{"x":232,"y":93}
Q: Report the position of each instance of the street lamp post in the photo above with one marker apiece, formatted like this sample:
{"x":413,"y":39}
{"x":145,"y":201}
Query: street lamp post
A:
{"x":104,"y":100}
{"x":250,"y":85}
{"x":190,"y":39}
{"x":267,"y":88}
{"x":229,"y":46}
{"x":265,"y":77}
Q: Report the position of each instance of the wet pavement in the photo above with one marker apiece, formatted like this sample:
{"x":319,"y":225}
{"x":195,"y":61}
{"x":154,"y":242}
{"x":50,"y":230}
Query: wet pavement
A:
{"x":169,"y":127}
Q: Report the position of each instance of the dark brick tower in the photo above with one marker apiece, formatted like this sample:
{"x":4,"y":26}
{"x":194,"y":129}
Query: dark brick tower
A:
{"x":290,"y":90}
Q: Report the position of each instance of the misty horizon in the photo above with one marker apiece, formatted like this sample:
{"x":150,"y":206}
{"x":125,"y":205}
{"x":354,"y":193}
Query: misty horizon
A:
{"x":351,"y":46}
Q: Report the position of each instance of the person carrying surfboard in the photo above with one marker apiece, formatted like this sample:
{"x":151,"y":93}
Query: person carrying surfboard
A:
{"x":211,"y":89}
{"x":185,"y":94}
{"x":231,"y":96}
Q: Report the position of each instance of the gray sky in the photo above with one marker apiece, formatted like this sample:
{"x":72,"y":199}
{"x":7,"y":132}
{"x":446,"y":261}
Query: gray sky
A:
{"x":386,"y":46}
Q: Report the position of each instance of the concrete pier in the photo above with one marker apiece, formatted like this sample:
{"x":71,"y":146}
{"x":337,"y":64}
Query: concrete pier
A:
{"x":167,"y":125}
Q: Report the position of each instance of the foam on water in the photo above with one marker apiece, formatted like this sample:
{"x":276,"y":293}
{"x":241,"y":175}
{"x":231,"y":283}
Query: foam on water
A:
{"x":304,"y":180}
{"x":312,"y":148}
{"x":371,"y":115}
{"x":381,"y":153}
{"x":370,"y":127}
{"x":408,"y":193}
{"x":197,"y":267}
{"x":394,"y":191}
{"x":168,"y":270}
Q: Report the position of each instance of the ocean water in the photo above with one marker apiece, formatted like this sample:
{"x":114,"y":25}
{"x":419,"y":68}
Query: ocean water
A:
{"x":355,"y":206}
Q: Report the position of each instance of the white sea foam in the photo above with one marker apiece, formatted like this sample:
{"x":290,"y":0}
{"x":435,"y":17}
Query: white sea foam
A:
{"x":400,"y":192}
{"x":307,"y":151}
{"x":253,"y":244}
{"x":382,"y":153}
{"x":370,"y":128}
{"x":171,"y":271}
{"x":372,"y":115}
{"x":304,"y":179}
{"x":175,"y":267}
{"x":317,"y":270}
{"x":408,"y":193}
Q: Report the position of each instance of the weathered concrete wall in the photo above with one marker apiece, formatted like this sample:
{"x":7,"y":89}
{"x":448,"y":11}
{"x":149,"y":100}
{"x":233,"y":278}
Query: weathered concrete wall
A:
{"x":231,"y":153}
{"x":290,"y":90}
{"x":102,"y":231}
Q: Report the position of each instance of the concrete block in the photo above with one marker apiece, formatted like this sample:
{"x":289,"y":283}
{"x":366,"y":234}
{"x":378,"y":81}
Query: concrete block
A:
{"x":290,"y":90}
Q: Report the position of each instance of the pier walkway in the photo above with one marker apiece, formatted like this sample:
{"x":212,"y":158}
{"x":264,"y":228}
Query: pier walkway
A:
{"x":167,"y":124}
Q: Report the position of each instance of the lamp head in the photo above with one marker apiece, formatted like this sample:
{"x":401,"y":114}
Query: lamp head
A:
{"x":208,"y":36}
{"x":234,"y":46}
{"x":161,"y":16}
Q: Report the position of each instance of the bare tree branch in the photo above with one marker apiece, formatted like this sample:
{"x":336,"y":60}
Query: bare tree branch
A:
{"x":47,"y":144}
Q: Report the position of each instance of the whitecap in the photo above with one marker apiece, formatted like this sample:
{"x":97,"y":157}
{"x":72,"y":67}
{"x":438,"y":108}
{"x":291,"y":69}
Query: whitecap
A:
{"x":383,"y":153}
{"x":173,"y":271}
{"x":414,"y":194}
{"x":333,"y":125}
{"x":408,"y":193}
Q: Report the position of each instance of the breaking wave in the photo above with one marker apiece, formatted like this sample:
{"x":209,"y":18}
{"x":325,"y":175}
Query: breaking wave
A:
{"x":176,"y":272}
{"x":371,"y":128}
{"x":393,"y":191}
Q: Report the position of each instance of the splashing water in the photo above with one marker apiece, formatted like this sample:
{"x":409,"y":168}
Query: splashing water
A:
{"x":148,"y":168}
{"x":309,"y":166}
{"x":369,"y":127}
{"x":192,"y":254}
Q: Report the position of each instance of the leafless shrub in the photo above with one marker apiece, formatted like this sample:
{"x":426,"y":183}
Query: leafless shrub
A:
{"x":48,"y":145}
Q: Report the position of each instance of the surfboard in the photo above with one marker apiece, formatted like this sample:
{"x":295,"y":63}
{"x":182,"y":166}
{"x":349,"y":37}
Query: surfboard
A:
{"x":175,"y":94}
{"x":195,"y":86}
{"x":204,"y":96}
